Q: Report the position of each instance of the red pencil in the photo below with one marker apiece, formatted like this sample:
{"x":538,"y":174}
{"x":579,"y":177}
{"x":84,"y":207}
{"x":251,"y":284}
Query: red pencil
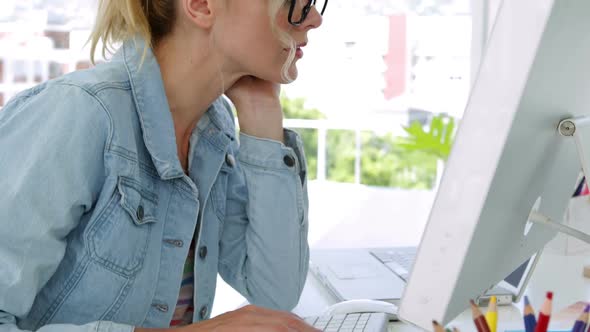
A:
{"x":544,"y":314}
{"x":478,"y":318}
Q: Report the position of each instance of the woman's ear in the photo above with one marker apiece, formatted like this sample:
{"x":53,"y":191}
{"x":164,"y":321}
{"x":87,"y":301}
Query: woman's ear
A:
{"x":200,"y":12}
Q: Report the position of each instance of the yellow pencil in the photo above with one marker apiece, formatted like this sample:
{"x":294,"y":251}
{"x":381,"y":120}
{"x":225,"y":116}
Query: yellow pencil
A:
{"x":492,"y":314}
{"x":437,"y":327}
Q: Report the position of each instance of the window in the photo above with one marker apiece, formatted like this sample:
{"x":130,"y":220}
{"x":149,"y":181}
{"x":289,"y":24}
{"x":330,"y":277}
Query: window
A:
{"x":40,"y":40}
{"x":372,"y":69}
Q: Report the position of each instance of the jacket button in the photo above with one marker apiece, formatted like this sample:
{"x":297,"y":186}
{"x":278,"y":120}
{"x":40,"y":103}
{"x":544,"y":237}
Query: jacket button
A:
{"x":161,"y":307}
{"x":140,"y":213}
{"x":203,"y":252}
{"x":176,"y":243}
{"x":289,"y":161}
{"x":230,"y":160}
{"x":203,"y":312}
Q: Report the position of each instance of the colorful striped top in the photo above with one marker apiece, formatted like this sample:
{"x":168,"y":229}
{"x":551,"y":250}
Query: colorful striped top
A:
{"x":183,"y":314}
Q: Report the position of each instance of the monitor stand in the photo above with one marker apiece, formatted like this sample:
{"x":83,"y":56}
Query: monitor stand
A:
{"x":579,"y":129}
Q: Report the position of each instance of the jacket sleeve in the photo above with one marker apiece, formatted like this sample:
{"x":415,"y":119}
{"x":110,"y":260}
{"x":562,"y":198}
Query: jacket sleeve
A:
{"x":52,"y":142}
{"x":264,"y":252}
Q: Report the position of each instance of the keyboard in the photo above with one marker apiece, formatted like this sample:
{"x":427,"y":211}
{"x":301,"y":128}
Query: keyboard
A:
{"x":358,"y":322}
{"x":398,"y":260}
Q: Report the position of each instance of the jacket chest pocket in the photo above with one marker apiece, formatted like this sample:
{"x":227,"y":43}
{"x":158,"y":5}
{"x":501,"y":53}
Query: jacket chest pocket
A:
{"x":118,"y":238}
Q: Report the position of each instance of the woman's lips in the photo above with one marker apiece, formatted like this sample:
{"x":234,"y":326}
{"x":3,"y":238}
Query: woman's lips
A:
{"x":298,"y":50}
{"x":299,"y":53}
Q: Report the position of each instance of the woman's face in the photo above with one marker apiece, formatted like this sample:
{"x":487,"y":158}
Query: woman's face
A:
{"x":245,"y":36}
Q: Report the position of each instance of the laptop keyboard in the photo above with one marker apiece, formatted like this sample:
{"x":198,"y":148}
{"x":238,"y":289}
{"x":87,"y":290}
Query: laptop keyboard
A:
{"x":398,"y":260}
{"x":357,"y":322}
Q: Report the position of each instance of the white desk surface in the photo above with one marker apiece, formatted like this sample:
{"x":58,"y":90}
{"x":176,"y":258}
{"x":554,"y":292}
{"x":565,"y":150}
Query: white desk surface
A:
{"x":556,"y":272}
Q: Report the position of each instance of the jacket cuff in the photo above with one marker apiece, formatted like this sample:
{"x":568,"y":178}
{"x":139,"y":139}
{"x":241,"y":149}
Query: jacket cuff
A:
{"x":269,"y":153}
{"x":107,"y":326}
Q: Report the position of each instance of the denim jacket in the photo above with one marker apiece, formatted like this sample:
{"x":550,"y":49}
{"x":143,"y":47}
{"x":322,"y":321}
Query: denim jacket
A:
{"x":97,"y":214}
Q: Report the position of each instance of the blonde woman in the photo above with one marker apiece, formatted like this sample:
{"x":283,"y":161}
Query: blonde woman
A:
{"x":125,"y":188}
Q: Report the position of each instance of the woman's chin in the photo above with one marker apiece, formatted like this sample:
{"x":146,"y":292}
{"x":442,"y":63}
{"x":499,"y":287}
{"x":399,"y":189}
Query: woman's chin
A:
{"x":293,"y":73}
{"x":279,"y":77}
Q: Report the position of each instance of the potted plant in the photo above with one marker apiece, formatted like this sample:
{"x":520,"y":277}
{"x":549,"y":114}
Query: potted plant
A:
{"x":437,"y":140}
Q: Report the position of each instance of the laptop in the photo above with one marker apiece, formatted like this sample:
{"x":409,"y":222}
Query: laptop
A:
{"x":382,"y":273}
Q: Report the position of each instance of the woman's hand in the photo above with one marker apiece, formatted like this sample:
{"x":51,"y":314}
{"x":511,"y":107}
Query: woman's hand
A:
{"x":248,"y":319}
{"x":259,"y":108}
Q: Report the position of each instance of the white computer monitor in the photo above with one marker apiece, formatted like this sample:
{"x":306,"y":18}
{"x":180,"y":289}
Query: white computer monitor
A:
{"x":508,"y":158}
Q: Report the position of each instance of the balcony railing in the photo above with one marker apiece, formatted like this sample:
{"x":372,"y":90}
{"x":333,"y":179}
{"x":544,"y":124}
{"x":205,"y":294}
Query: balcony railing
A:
{"x":358,"y":125}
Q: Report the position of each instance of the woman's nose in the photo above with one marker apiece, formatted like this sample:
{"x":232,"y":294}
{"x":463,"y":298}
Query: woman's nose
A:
{"x":313,"y":20}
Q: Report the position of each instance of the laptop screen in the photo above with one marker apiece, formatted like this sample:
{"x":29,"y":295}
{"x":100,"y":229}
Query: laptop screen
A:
{"x":515,"y":277}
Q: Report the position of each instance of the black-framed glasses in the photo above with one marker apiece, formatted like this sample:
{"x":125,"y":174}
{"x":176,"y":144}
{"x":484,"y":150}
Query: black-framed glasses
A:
{"x":296,"y":16}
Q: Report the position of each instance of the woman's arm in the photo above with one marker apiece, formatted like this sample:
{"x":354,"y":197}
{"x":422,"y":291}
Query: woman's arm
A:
{"x":264,"y":252}
{"x":52,"y":142}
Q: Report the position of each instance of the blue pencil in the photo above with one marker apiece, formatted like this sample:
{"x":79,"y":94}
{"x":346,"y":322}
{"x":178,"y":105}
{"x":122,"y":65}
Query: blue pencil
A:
{"x":582,"y":321}
{"x":530,"y":322}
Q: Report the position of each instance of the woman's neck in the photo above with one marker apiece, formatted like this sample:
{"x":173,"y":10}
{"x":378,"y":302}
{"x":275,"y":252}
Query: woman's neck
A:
{"x":193,"y":79}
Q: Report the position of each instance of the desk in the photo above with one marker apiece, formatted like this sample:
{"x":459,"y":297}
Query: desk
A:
{"x":557,"y":272}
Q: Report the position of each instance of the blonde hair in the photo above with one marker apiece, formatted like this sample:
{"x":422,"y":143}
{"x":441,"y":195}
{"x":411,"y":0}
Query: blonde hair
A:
{"x":284,"y":38}
{"x":120,"y":20}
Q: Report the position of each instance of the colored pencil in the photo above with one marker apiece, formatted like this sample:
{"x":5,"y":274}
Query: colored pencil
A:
{"x":582,"y":321}
{"x":492,"y":314}
{"x":545,"y":314}
{"x":437,"y":327}
{"x":530,"y":322}
{"x":579,"y":188}
{"x":478,"y":318}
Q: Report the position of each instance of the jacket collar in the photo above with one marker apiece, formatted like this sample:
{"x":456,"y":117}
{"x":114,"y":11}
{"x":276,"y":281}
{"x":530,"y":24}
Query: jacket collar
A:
{"x":154,"y":112}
